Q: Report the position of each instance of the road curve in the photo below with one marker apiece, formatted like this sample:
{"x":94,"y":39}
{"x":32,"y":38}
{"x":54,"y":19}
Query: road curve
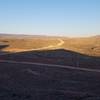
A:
{"x":53,"y":65}
{"x":60,"y":43}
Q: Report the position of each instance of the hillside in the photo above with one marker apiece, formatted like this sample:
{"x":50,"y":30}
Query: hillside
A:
{"x":49,"y":68}
{"x":89,"y":45}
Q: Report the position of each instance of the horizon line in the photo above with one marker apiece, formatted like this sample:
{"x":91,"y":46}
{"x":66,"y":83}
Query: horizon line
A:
{"x":30,"y":34}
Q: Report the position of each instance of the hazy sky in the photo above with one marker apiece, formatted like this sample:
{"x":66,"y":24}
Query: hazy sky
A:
{"x":50,"y":17}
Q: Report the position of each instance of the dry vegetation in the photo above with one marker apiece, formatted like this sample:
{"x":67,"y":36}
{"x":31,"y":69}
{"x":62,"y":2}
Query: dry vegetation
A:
{"x":89,"y":46}
{"x":16,"y":44}
{"x":27,"y":81}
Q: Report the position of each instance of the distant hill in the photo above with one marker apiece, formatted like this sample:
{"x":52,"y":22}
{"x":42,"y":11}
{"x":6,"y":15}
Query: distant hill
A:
{"x":85,"y":45}
{"x":21,"y":35}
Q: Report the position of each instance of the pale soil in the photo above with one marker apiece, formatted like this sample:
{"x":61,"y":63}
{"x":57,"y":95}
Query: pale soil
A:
{"x":88,"y":46}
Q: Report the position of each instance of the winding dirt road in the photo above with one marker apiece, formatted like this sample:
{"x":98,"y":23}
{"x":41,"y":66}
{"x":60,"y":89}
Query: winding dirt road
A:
{"x":51,"y":46}
{"x":60,"y":43}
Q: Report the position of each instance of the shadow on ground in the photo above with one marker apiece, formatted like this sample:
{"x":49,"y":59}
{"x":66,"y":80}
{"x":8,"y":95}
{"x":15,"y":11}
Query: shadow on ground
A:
{"x":58,"y":56}
{"x":2,"y":46}
{"x":38,"y":82}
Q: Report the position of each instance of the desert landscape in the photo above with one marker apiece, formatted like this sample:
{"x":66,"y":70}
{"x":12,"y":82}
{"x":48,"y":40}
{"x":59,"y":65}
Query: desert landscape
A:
{"x":50,"y":50}
{"x":49,"y":68}
{"x":18,"y":43}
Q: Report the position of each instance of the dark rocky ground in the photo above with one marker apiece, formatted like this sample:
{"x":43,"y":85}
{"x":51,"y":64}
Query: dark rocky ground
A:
{"x":38,"y":82}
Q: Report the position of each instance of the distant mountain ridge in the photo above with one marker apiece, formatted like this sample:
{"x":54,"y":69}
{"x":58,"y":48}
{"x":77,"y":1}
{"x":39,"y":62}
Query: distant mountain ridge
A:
{"x":27,"y":35}
{"x":20,"y":35}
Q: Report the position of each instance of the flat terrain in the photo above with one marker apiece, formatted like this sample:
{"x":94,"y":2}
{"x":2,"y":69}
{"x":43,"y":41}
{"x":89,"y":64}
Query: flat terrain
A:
{"x":49,"y":68}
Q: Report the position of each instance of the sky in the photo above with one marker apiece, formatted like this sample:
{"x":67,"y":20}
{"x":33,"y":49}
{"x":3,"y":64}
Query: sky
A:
{"x":50,"y":17}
